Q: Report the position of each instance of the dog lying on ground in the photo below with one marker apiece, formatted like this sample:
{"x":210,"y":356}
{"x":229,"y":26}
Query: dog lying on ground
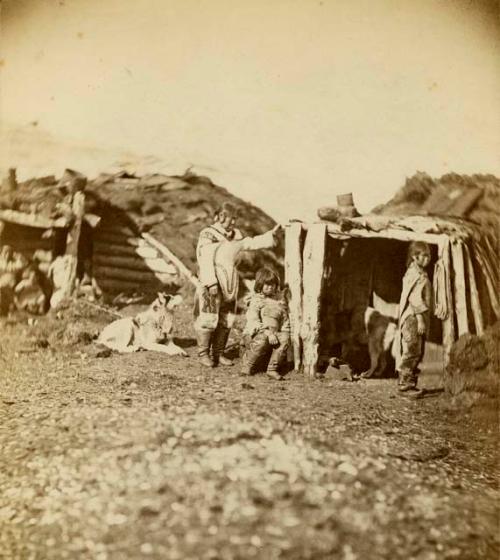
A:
{"x":381,"y":332}
{"x":146,"y":330}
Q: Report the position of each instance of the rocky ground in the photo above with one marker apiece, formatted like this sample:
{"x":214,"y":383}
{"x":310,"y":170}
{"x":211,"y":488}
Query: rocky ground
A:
{"x":149,"y":456}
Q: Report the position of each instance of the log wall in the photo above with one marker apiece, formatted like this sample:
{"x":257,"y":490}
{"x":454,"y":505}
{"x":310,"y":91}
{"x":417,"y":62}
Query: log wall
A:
{"x":123,"y":261}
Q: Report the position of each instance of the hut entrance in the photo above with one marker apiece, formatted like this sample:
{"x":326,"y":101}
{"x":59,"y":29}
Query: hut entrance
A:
{"x":363,"y":273}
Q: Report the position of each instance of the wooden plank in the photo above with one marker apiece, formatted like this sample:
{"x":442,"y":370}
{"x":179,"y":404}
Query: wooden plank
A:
{"x":110,"y":227}
{"x":165,"y":251}
{"x":143,"y":250}
{"x":115,"y":286}
{"x":293,"y":277}
{"x":477,"y":312}
{"x":488,"y":277}
{"x":136,"y":263}
{"x":313,"y":269}
{"x":32,"y":220}
{"x":399,"y":234}
{"x":107,"y":237}
{"x":141,"y":276}
{"x":449,"y":320}
{"x":490,"y":259}
{"x":460,"y":288}
{"x":30,"y":245}
{"x":78,"y":207}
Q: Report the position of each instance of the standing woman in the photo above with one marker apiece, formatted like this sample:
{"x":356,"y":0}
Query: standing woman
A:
{"x":218,"y":247}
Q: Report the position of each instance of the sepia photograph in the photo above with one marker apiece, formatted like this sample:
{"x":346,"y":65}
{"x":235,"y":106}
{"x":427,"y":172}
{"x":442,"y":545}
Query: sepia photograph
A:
{"x":249,"y":279}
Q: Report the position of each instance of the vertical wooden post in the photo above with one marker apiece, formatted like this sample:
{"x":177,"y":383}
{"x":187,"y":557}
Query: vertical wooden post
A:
{"x":78,"y":207}
{"x":314,"y":257}
{"x":449,"y":320}
{"x":293,"y":277}
{"x":477,"y":312}
{"x":457,"y":255}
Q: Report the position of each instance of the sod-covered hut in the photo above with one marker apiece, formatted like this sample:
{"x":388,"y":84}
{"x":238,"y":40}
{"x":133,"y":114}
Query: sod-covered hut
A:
{"x":122,"y":233}
{"x":336,"y":270}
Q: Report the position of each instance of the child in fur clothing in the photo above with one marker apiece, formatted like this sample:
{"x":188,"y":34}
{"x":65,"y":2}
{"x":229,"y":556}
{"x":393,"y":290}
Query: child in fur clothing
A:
{"x":267,"y":326}
{"x":414,"y":316}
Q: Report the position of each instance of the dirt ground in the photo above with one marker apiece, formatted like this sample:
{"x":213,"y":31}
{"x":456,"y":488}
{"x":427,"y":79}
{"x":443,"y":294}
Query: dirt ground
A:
{"x":148,"y":456}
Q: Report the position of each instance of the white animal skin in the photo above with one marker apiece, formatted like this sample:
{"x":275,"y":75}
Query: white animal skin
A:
{"x":146,"y":330}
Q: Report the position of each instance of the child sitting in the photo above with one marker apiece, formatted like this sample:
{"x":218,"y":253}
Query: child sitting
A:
{"x":267,"y":326}
{"x":414,"y":315}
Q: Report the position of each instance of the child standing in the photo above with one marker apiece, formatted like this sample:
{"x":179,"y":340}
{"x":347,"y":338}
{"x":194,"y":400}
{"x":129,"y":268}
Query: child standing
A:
{"x":268,"y":326}
{"x":414,"y":315}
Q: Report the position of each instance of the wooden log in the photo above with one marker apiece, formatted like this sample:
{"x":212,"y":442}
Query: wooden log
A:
{"x":399,"y":234}
{"x":157,"y":265}
{"x":32,"y":220}
{"x":490,"y":264}
{"x":109,"y":227}
{"x":490,"y":286}
{"x":141,"y":276}
{"x":78,"y":207}
{"x":111,"y":285}
{"x":114,"y":249}
{"x":477,"y":312}
{"x":116,"y":238}
{"x":313,"y":269}
{"x":29,"y":244}
{"x":293,"y":277}
{"x":460,"y":289}
{"x":449,"y":320}
{"x":117,"y":285}
{"x":181,"y":267}
{"x":127,"y":262}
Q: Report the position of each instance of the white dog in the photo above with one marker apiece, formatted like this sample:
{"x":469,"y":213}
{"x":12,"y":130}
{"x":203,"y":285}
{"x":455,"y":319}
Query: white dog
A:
{"x":146,"y":330}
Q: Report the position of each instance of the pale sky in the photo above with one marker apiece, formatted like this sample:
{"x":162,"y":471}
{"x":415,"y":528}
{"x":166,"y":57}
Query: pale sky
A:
{"x":286,"y":103}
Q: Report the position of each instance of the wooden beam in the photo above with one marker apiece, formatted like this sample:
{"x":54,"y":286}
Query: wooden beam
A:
{"x":477,"y":312}
{"x":313,"y":263}
{"x":144,"y":276}
{"x":107,"y":238}
{"x":115,"y":249}
{"x":399,"y":234}
{"x":78,"y":207}
{"x":135,"y":263}
{"x":165,"y":251}
{"x":32,"y":220}
{"x":460,"y":288}
{"x":449,"y":320}
{"x":116,"y":286}
{"x":489,"y":280}
{"x":293,"y":277}
{"x":112,"y":228}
